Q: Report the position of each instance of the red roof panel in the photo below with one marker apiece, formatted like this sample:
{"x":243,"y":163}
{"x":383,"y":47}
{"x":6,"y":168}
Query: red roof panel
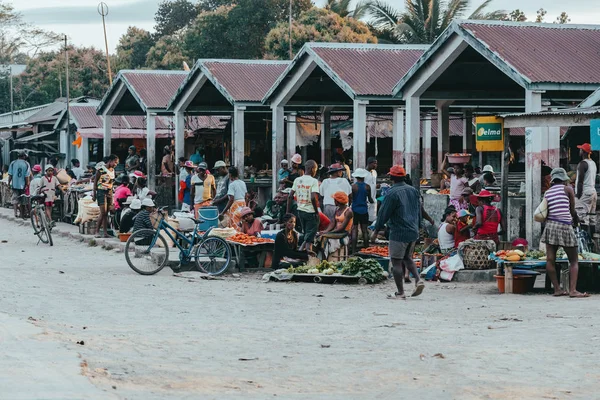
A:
{"x":155,"y":88}
{"x":369,"y":70}
{"x":246,"y":81}
{"x":545,"y":52}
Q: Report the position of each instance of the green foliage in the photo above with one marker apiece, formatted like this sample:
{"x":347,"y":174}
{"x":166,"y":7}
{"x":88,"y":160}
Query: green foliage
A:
{"x":519,"y":16}
{"x":173,"y":15}
{"x":316,"y":25}
{"x":368,"y":268}
{"x":133,"y":48}
{"x":516,"y":16}
{"x":166,"y":54}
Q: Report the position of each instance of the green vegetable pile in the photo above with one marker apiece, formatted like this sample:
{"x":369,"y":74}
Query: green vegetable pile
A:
{"x":368,"y":268}
{"x":535,"y":254}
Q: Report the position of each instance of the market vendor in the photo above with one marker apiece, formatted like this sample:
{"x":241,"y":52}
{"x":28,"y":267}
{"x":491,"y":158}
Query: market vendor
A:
{"x":342,"y":221}
{"x":122,"y":193}
{"x":487,"y":218}
{"x":250,"y":225}
{"x":585,"y":189}
{"x":204,"y":187}
{"x":133,"y":207}
{"x":458,"y":181}
{"x":283,"y":172}
{"x":447,"y":230}
{"x":286,"y":243}
{"x":236,"y":199}
{"x":463,"y":228}
{"x":142,"y":220}
{"x":464,"y":202}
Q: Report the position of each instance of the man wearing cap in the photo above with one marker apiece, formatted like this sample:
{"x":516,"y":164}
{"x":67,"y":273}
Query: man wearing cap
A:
{"x":36,"y":181}
{"x":371,"y":180}
{"x":18,"y":179}
{"x":464,"y":202}
{"x":401,"y":211}
{"x":203,"y":187}
{"x":132,"y":162}
{"x":142,"y":220}
{"x":129,"y":214}
{"x":220,"y":199}
{"x":335,"y":183}
{"x":585,"y":189}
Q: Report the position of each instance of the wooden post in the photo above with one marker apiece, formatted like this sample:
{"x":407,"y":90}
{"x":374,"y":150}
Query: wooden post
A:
{"x":504,"y":180}
{"x":427,"y":164}
{"x":239,"y":141}
{"x":413,"y":136}
{"x":151,"y":150}
{"x":443,"y":132}
{"x":508,"y":278}
{"x":398,"y":136}
{"x":106,"y":148}
{"x":359,"y":134}
{"x":277,"y":140}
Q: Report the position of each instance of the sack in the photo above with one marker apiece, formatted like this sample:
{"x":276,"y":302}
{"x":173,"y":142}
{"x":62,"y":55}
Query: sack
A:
{"x":541,"y":212}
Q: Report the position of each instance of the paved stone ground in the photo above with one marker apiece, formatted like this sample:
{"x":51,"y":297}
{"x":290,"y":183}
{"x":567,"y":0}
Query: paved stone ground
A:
{"x":239,"y":338}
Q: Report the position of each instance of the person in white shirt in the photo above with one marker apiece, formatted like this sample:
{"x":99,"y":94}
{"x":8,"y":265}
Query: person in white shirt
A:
{"x":77,"y":170}
{"x":48,"y":188}
{"x":335,"y":183}
{"x":306,"y":191}
{"x":36,"y":182}
{"x":371,"y":180}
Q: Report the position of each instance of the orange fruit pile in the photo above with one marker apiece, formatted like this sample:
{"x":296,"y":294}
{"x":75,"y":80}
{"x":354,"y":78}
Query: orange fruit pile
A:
{"x":242,"y":238}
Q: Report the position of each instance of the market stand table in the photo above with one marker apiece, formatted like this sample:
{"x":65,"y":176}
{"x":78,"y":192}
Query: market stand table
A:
{"x":239,"y":250}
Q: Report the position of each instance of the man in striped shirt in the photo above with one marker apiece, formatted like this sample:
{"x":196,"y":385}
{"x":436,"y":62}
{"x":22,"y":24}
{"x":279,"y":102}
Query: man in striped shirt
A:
{"x":401,"y":211}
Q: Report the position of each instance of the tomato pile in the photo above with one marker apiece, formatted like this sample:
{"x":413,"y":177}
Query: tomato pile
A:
{"x":380,"y":251}
{"x":242,"y":238}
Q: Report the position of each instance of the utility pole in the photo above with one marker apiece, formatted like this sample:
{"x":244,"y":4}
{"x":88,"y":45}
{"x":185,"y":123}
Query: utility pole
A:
{"x":291,"y":52}
{"x":12,"y":100}
{"x":67,"y":92}
{"x":103,"y":10}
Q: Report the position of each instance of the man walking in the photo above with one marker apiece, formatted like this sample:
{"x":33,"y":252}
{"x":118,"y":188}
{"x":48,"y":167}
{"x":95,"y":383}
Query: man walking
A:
{"x":585,"y":190}
{"x":371,"y":180}
{"x":18,"y":180}
{"x":306,"y":190}
{"x":401,"y":211}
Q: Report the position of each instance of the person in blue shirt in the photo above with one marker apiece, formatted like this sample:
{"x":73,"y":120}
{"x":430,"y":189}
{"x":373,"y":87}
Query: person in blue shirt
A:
{"x":361,"y":198}
{"x":283,"y":172}
{"x":197,"y":158}
{"x":187,"y":193}
{"x":18,"y":179}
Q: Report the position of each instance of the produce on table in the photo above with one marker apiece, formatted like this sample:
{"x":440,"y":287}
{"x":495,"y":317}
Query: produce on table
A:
{"x":242,"y":238}
{"x":381,"y":251}
{"x":444,"y":191}
{"x":510,"y":255}
{"x":591,"y":256}
{"x":535,"y":254}
{"x":360,"y":267}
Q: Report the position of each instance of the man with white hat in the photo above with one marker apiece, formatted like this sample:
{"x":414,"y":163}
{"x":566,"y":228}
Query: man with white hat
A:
{"x":142,"y":220}
{"x":335,"y":183}
{"x":128,"y":215}
{"x":222,"y":181}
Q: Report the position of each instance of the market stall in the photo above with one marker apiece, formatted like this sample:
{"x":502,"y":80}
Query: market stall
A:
{"x":245,"y":247}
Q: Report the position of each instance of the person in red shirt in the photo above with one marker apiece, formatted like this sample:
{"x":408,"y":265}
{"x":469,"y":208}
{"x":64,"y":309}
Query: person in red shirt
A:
{"x":462,"y":231}
{"x":249,"y":224}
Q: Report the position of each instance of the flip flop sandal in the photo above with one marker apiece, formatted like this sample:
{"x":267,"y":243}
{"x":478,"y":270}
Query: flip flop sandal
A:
{"x":582,"y":296}
{"x":418,"y":289}
{"x":395,"y":296}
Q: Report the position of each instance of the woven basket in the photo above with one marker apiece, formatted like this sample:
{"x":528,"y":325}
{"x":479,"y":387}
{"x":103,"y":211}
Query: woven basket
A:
{"x":476,"y":257}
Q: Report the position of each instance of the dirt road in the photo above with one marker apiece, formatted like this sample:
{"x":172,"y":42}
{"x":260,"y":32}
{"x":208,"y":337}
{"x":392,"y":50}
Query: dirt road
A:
{"x":167,"y":337}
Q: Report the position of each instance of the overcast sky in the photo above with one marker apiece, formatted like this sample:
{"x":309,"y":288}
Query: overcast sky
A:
{"x":80,"y":21}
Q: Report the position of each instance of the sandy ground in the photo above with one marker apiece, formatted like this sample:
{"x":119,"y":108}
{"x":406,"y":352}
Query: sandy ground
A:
{"x":167,"y":337}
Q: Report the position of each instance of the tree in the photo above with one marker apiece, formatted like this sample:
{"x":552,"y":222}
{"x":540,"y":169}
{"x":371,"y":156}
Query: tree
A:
{"x":540,"y":15}
{"x":343,"y":9}
{"x":166,"y":54}
{"x":133,"y":48}
{"x":212,"y":5}
{"x":171,"y":16}
{"x":519,"y":16}
{"x":316,"y":25}
{"x":423,"y":20}
{"x":238,"y":30}
{"x":563,"y":18}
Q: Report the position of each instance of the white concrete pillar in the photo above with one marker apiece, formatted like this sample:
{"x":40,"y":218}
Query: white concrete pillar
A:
{"x":398,"y":136}
{"x":443,"y":132}
{"x":238,"y":138}
{"x":326,"y":137}
{"x":151,"y":149}
{"x":291,"y":136}
{"x":413,"y":136}
{"x":64,"y":146}
{"x":427,"y":161}
{"x":468,"y":132}
{"x":83,"y":153}
{"x":553,"y":160}
{"x":107,"y":120}
{"x":278,"y":141}
{"x":359,"y":151}
{"x":533,"y":163}
{"x":322,"y":138}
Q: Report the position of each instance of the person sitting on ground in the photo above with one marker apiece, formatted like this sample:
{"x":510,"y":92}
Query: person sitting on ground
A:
{"x":36,"y":182}
{"x":559,"y":231}
{"x":447,"y":230}
{"x":128,"y":215}
{"x":122,"y":192}
{"x":463,"y":228}
{"x":286,"y":243}
{"x":487,"y":219}
{"x":142,"y":220}
{"x":361,"y":195}
{"x":341,"y":224}
{"x":250,"y":225}
{"x":458,"y":181}
{"x":464,"y":202}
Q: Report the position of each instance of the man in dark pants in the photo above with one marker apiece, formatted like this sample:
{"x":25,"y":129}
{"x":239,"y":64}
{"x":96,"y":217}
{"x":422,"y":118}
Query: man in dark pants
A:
{"x":401,"y":211}
{"x":306,"y":189}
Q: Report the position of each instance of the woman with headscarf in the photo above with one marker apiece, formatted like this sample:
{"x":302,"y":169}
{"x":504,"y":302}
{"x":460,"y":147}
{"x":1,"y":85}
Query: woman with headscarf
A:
{"x":559,"y":230}
{"x":487,"y":218}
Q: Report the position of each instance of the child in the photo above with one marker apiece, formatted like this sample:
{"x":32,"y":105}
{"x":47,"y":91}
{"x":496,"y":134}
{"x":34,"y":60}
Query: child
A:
{"x":361,"y":192}
{"x":36,"y":182}
{"x":121,"y":194}
{"x":48,"y":188}
{"x":462,"y":231}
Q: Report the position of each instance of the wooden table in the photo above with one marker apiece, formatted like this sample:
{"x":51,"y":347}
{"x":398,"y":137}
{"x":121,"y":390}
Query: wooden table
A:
{"x":508,"y":271}
{"x":239,"y":249}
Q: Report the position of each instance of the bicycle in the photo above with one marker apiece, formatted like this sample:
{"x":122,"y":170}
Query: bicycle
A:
{"x":41,"y":227}
{"x":151,"y":253}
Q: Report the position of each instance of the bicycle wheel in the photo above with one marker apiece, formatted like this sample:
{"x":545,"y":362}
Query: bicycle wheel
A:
{"x":44,"y":233}
{"x":35,"y":220}
{"x":146,"y":252}
{"x":213,"y":256}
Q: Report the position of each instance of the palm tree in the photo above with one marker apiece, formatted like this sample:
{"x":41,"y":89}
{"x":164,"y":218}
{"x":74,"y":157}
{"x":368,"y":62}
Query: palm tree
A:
{"x":423,"y":20}
{"x":342,"y":8}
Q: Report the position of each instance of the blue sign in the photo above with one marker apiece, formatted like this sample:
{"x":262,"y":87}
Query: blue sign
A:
{"x":595,"y":134}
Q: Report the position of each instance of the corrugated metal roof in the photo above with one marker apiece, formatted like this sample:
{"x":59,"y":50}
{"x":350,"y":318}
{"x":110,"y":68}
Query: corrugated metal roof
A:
{"x":245,"y":80}
{"x":543,"y":52}
{"x":154,"y":88}
{"x":564,"y":111}
{"x":49,"y":113}
{"x":369,"y":70}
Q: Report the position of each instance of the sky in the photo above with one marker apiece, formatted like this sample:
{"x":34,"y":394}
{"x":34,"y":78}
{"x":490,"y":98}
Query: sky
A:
{"x":80,"y":21}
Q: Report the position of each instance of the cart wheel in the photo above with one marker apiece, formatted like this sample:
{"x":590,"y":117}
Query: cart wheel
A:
{"x":318,"y":279}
